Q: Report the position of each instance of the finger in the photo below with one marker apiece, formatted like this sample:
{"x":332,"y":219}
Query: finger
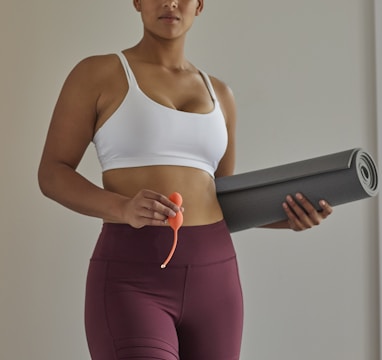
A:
{"x":314,"y":215}
{"x":152,"y":214}
{"x":159,"y":202}
{"x":149,"y":217}
{"x":326,"y":209}
{"x":294,"y":222}
{"x":155,"y":222}
{"x":159,"y":210}
{"x":302,"y":213}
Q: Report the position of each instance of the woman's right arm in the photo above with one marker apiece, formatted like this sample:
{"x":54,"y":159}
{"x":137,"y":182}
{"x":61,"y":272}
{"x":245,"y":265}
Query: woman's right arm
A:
{"x":70,"y":132}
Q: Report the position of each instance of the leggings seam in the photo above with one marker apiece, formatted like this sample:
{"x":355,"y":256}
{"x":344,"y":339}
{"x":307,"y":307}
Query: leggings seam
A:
{"x":105,"y":311}
{"x":177,"y":324}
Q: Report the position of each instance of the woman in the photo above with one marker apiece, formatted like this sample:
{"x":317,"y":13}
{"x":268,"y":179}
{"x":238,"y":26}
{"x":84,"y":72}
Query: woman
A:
{"x":159,"y":125}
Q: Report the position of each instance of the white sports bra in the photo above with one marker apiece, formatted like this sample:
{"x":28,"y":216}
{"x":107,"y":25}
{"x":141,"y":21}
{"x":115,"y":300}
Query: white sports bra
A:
{"x":142,"y":132}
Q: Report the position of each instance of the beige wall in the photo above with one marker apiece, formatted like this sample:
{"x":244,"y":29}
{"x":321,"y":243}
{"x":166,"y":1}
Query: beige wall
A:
{"x":304,"y":77}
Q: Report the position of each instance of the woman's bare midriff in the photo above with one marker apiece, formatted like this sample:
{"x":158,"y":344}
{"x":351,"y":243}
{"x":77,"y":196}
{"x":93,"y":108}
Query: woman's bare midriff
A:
{"x":196,"y":186}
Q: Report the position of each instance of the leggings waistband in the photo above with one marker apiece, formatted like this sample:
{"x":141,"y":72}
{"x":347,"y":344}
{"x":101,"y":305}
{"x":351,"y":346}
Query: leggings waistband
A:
{"x":197,"y":245}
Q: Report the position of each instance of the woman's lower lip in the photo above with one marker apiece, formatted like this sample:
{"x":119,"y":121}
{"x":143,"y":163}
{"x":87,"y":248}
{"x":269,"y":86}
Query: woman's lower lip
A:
{"x":169,"y":19}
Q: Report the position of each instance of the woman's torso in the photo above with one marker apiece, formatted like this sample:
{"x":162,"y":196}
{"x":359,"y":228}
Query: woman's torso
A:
{"x":185,"y":91}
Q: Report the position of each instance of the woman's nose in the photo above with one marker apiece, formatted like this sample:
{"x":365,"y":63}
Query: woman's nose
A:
{"x":171,"y":3}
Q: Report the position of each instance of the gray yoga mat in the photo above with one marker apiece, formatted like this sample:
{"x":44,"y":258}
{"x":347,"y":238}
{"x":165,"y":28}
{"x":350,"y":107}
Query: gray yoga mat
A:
{"x":255,"y":198}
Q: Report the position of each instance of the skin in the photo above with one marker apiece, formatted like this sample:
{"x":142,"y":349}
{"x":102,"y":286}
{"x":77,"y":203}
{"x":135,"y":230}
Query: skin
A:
{"x":139,"y":196}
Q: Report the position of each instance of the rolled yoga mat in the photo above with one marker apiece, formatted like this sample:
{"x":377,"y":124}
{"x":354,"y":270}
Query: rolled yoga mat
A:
{"x":255,"y":198}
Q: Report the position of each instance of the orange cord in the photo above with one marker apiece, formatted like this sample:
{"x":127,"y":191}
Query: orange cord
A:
{"x":172,"y":250}
{"x":175,"y":223}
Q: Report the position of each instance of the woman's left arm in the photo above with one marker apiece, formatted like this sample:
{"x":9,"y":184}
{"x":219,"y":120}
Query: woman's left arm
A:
{"x":301,"y":214}
{"x":228,"y":106}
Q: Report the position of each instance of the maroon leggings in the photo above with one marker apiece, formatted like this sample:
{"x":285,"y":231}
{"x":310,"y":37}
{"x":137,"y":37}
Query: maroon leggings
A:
{"x":191,"y":310}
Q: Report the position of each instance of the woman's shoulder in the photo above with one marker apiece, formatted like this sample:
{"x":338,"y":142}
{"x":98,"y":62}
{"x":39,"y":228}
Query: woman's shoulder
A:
{"x":222,"y":89}
{"x":94,"y":72}
{"x":97,"y":65}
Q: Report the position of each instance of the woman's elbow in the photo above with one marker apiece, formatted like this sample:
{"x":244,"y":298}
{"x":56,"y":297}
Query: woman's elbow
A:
{"x":45,"y":179}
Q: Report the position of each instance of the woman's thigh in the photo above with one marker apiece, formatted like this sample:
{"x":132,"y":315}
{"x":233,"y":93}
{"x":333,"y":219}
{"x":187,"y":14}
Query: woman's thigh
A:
{"x":130,"y":314}
{"x":212,"y":321}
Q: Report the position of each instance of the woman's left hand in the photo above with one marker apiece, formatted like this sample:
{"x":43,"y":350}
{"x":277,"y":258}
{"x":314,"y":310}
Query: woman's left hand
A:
{"x":301,"y":213}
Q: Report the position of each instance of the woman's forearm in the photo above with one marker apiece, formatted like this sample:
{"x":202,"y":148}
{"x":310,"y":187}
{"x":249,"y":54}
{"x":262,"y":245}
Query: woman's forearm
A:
{"x":61,"y":183}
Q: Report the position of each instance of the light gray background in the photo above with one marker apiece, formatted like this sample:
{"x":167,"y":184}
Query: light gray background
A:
{"x":303,"y":72}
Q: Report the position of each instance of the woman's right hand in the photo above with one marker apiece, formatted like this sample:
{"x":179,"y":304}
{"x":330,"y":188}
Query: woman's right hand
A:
{"x":148,"y":207}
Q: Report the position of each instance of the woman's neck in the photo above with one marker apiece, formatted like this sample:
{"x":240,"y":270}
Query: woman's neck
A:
{"x":168,"y":53}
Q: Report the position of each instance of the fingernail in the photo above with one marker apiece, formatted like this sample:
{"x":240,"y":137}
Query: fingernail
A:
{"x":290,"y":199}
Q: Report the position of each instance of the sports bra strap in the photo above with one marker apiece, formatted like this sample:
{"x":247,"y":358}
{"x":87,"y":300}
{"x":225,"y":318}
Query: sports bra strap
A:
{"x":133,"y":81}
{"x":128,"y":71}
{"x":209,"y":85}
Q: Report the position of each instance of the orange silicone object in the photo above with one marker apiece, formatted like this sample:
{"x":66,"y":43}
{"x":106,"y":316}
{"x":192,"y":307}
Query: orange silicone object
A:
{"x":175,"y":223}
